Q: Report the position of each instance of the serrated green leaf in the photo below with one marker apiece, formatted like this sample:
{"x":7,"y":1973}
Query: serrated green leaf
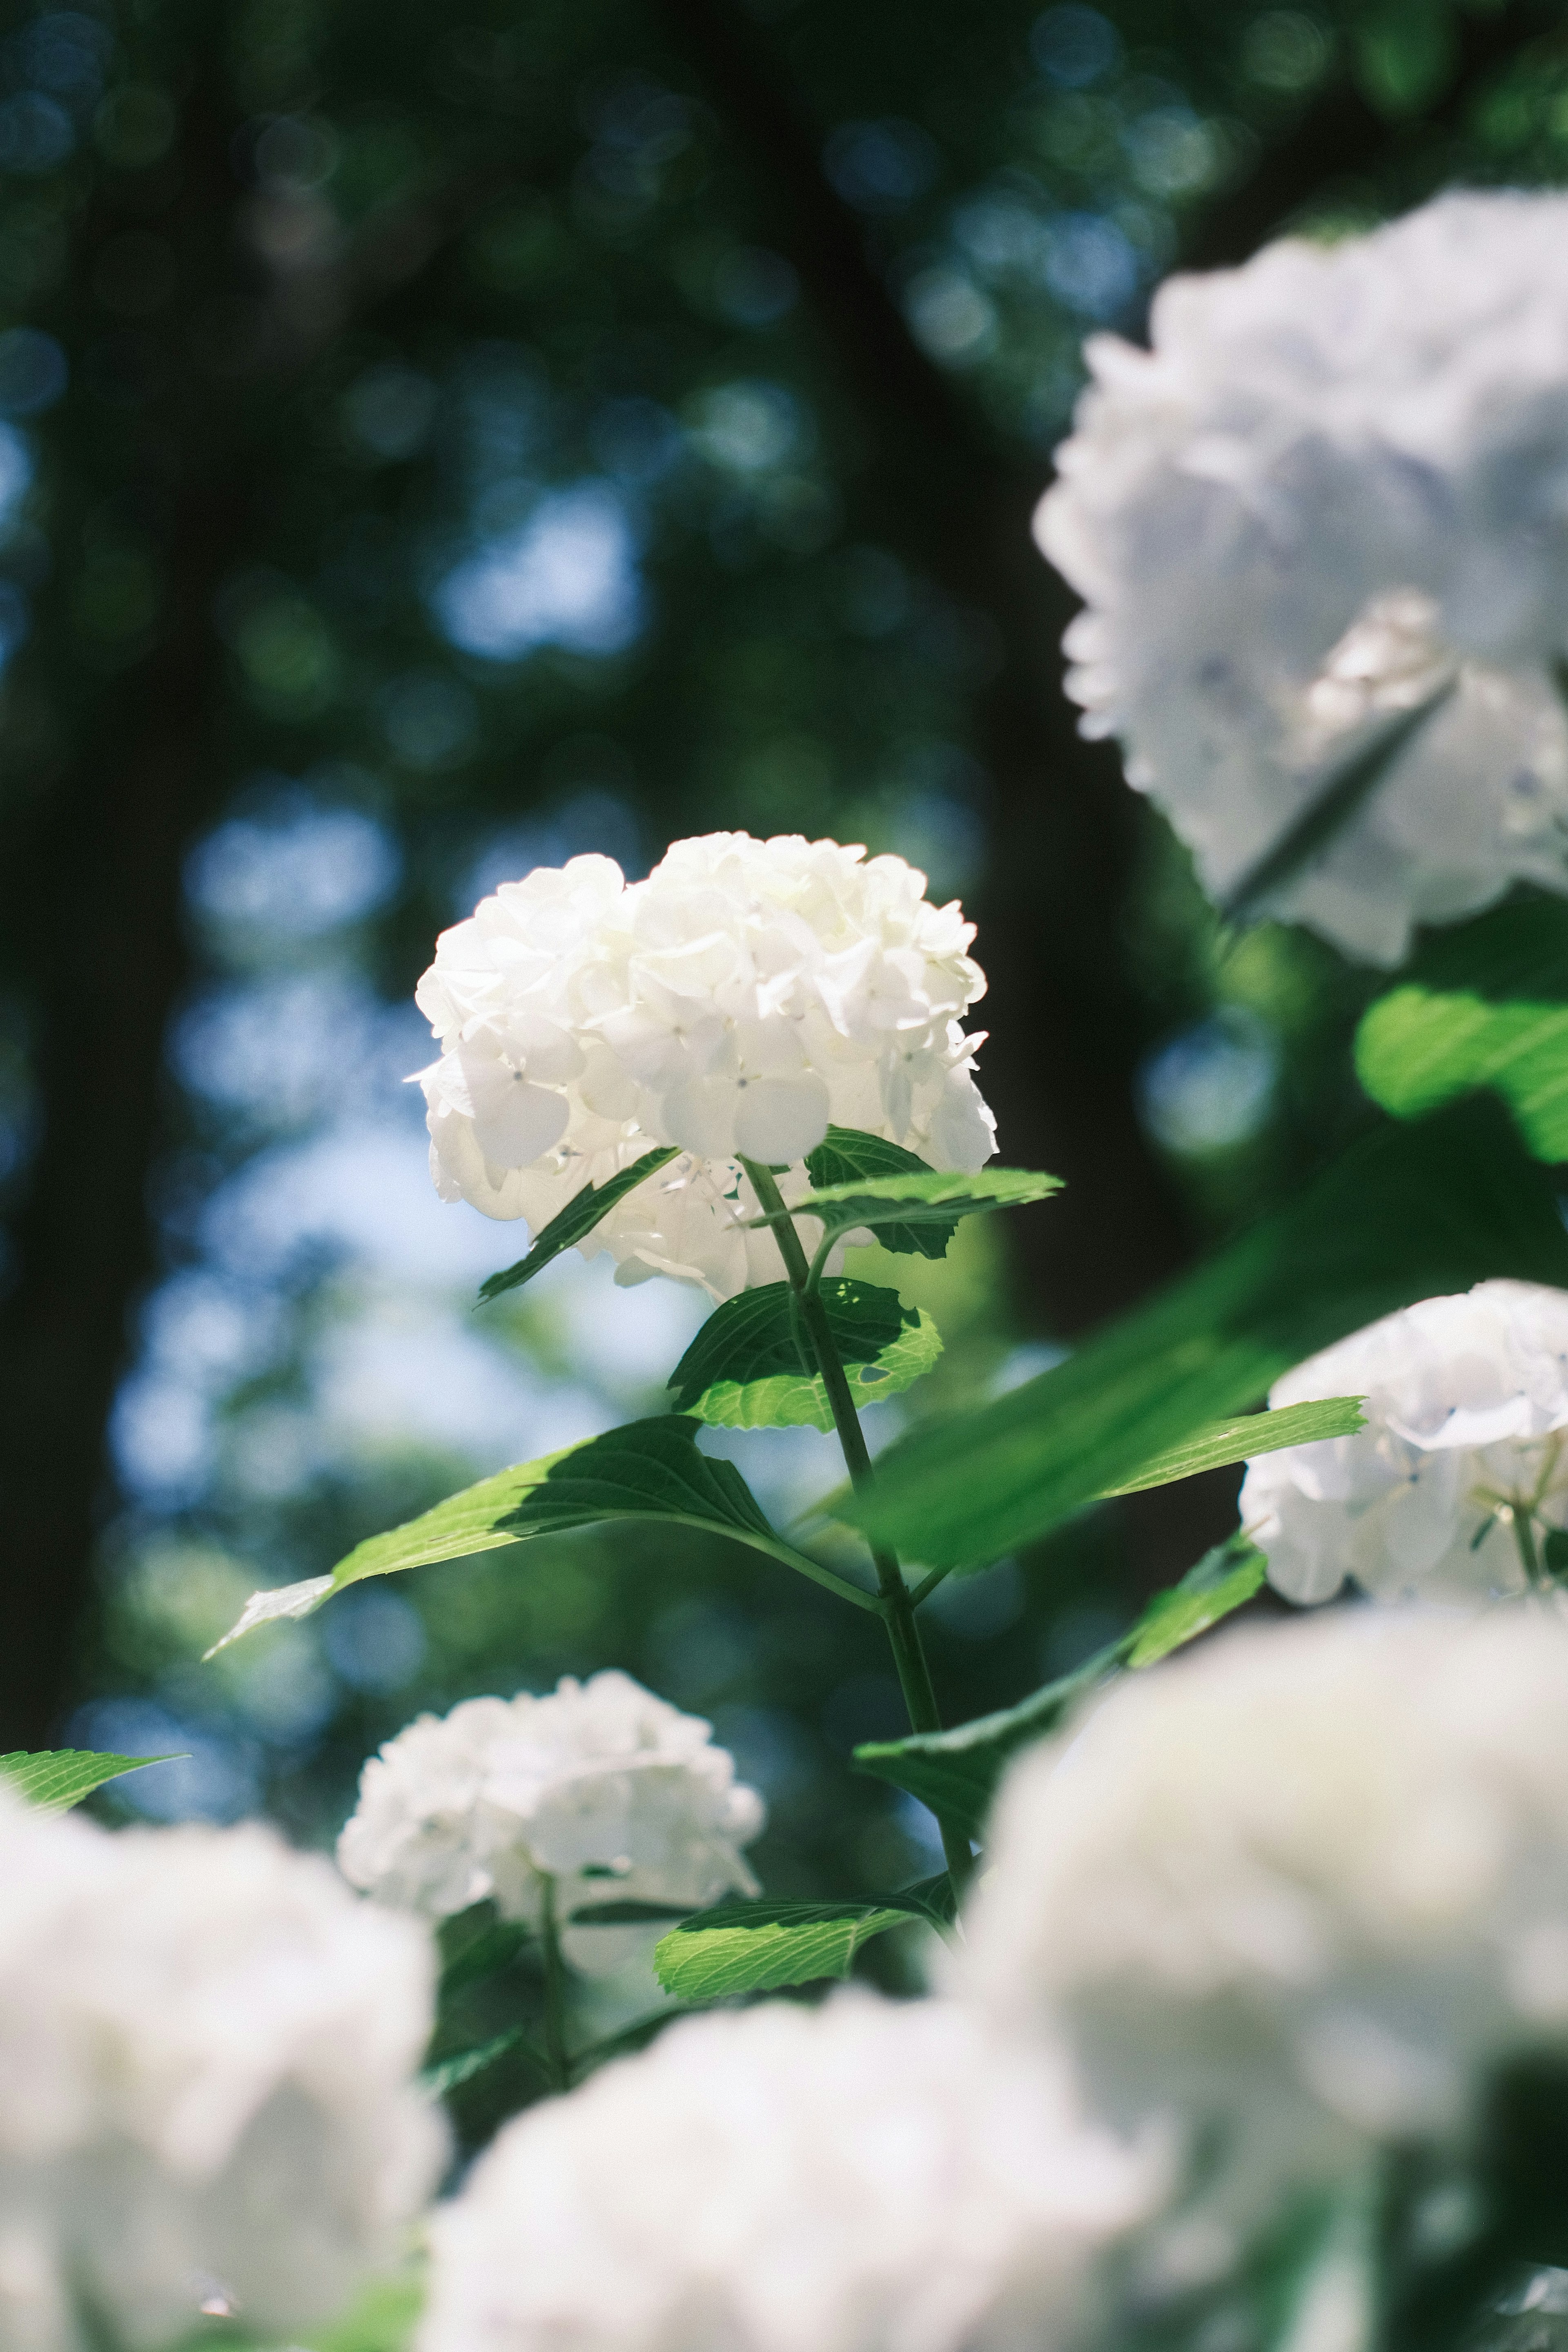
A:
{"x":751,"y":1366}
{"x":908,"y":1202}
{"x":1220,"y":1583}
{"x":450,"y":2074}
{"x":56,"y":1778}
{"x":628,"y":1915}
{"x":583,"y":1212}
{"x":649,"y":1470}
{"x":1336,"y":804}
{"x":1483,"y":1005}
{"x":848,"y":1153}
{"x":1242,"y":1437}
{"x":1409,"y":1213}
{"x":760,"y":1947}
{"x":956,"y":1772}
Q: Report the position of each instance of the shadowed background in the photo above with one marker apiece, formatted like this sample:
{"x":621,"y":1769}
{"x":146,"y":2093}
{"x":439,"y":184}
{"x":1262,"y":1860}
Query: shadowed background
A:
{"x":435,"y":442}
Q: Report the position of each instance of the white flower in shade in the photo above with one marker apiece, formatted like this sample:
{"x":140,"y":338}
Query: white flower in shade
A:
{"x":732,"y":1006}
{"x":1295,"y":1894}
{"x":1337,"y":483}
{"x":868,"y":2177}
{"x":603,"y":1789}
{"x":1464,"y":1454}
{"x":209,"y":2047}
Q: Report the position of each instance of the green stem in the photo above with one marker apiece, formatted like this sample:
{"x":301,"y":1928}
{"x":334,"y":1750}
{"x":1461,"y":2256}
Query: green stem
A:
{"x":898,"y":1604}
{"x":1524,"y":1536}
{"x":559,"y":2063}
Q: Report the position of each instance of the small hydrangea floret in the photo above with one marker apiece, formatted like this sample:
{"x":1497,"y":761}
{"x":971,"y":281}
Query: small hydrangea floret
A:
{"x":599,"y":1791}
{"x":1452,"y":1489}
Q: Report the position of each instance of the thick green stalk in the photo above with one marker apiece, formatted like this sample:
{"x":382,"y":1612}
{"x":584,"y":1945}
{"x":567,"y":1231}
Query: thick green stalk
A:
{"x":560,"y":2064}
{"x":1524,"y":1536}
{"x":899,"y":1609}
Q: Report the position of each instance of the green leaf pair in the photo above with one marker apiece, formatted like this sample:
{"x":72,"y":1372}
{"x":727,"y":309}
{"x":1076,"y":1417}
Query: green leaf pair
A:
{"x":760,"y":1947}
{"x":957,"y":1773}
{"x":1409,"y":1212}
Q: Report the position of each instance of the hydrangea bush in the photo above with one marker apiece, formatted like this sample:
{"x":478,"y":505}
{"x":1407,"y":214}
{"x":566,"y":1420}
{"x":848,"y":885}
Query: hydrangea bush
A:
{"x":1251,"y":2035}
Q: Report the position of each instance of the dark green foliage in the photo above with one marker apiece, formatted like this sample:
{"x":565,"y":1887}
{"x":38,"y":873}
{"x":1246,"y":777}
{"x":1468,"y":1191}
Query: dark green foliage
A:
{"x":575,"y":1221}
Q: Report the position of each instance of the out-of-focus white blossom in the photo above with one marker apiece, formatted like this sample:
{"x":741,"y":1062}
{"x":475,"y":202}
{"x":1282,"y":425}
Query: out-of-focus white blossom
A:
{"x":1337,"y":482}
{"x":608,"y":1792}
{"x":745,"y":995}
{"x":1467,"y":1425}
{"x":1293,"y":1893}
{"x":868,"y":2177}
{"x":207,"y":2047}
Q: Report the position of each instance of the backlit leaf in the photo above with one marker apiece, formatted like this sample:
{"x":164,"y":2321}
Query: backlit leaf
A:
{"x":1484,"y":1005}
{"x":907,"y":1203}
{"x":1243,"y":1437}
{"x":1409,"y":1213}
{"x":750,"y":1365}
{"x":760,"y":1947}
{"x":649,"y":1470}
{"x":56,"y":1778}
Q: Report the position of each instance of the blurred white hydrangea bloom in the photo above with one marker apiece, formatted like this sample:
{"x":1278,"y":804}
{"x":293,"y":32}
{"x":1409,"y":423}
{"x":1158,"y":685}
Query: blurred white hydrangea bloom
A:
{"x":868,"y":2177}
{"x":600,"y":1787}
{"x":208,"y":2048}
{"x":1338,"y":482}
{"x":745,"y":995}
{"x":1467,"y":1429}
{"x":1293,"y":1893}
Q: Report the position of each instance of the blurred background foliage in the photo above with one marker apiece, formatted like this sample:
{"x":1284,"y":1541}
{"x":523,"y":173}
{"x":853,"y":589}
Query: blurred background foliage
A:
{"x":439,"y":440}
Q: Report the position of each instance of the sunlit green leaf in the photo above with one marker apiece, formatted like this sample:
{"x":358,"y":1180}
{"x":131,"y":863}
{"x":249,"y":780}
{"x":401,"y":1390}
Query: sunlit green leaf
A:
{"x":1221,"y":1582}
{"x":1484,"y":1005}
{"x":908,"y":1202}
{"x":1242,"y":1437}
{"x":575,"y":1221}
{"x":751,"y":1366}
{"x":848,"y":1153}
{"x":760,"y":1947}
{"x":1409,"y":1213}
{"x":649,"y":1470}
{"x":56,"y":1778}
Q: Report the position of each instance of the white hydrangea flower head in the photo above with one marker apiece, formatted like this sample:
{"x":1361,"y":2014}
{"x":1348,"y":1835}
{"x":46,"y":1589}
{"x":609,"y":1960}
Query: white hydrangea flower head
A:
{"x":1336,"y":483}
{"x":1295,"y":1893}
{"x":868,"y":2177}
{"x":599,"y":1787}
{"x":742,"y":998}
{"x":209,"y":2049}
{"x":1466,"y":1425}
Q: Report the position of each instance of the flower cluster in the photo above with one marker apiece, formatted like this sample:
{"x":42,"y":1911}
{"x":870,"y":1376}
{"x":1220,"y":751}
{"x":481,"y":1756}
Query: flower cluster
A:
{"x":869,"y":2175}
{"x":207,"y":2046}
{"x":601,"y":1789}
{"x":732,"y":1006}
{"x":1296,"y":1894}
{"x":1461,"y":1468}
{"x":1335,"y":485}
